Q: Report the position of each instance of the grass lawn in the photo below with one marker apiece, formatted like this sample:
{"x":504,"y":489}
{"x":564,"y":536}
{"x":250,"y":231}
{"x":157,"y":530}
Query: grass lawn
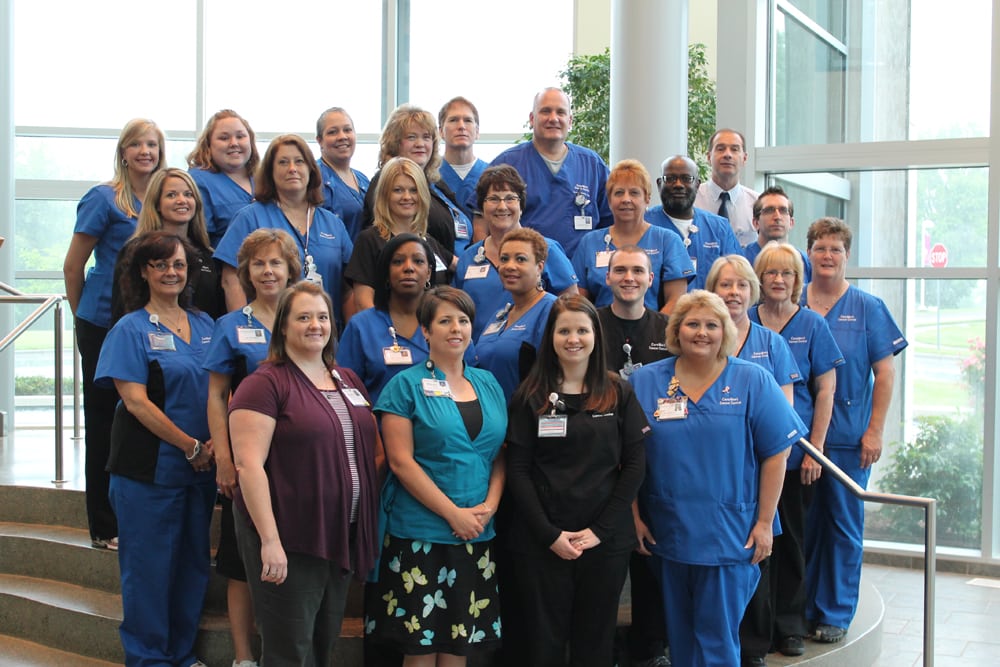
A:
{"x":954,"y":336}
{"x":938,"y":397}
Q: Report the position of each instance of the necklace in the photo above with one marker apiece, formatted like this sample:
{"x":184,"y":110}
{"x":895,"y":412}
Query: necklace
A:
{"x":171,"y":323}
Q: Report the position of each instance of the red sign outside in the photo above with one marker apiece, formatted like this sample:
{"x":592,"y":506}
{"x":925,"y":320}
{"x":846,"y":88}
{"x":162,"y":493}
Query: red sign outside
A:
{"x":938,"y":256}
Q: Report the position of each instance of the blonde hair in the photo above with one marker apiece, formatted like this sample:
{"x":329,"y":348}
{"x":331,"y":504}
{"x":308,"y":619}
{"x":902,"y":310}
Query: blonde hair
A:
{"x":700,"y":298}
{"x":741,"y":265}
{"x":382,"y":217}
{"x":782,"y":256}
{"x":201,"y":156}
{"x":395,"y":129}
{"x":150,"y":218}
{"x":135,"y":128}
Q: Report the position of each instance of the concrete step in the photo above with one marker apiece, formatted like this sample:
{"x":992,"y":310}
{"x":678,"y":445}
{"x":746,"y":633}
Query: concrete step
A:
{"x":47,"y":506}
{"x":16,"y":652}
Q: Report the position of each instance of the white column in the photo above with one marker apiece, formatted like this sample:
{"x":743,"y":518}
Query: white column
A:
{"x":7,"y":203}
{"x":649,"y":65}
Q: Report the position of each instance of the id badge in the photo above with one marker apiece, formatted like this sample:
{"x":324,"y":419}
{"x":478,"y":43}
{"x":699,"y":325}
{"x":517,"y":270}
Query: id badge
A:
{"x":583,"y":222}
{"x":315,"y":278}
{"x":162,"y":341}
{"x":552,"y":426}
{"x":493,"y":327}
{"x":461,"y":229}
{"x":671,"y":408}
{"x":397,"y":356}
{"x":249,"y":336}
{"x":434,"y":387}
{"x":603,"y":259}
{"x":628,"y":369}
{"x":477,"y":271}
{"x":356,"y":398}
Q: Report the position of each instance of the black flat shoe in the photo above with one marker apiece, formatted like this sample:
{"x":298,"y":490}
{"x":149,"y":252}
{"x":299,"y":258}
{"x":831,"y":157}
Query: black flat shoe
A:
{"x":791,"y":645}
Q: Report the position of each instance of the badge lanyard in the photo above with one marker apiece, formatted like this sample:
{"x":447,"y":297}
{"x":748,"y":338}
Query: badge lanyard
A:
{"x":674,"y":406}
{"x":396,"y":355}
{"x":432,"y":386}
{"x":160,"y":340}
{"x":250,"y":335}
{"x":553,"y":425}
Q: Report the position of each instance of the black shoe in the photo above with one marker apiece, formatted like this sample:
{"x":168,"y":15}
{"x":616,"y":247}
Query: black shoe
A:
{"x":753,"y":661}
{"x":829,"y":634}
{"x":791,"y":645}
{"x":657,"y":661}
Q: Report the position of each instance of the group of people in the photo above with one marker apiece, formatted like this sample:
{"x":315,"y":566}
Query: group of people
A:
{"x":492,"y":392}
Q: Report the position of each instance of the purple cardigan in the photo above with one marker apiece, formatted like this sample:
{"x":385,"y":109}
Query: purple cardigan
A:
{"x":307,"y":468}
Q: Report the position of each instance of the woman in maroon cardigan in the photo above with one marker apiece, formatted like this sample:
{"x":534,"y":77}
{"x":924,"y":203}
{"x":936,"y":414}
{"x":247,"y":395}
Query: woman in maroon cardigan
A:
{"x":305,"y":445}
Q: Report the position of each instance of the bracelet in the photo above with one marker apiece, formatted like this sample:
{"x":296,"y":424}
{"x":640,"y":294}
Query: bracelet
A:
{"x":194,"y":452}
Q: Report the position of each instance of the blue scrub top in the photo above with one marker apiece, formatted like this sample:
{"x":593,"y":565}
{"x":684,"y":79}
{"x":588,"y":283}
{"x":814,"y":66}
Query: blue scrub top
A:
{"x":342,"y":200}
{"x":751,"y":251}
{"x":550,"y":207}
{"x":488,"y":293}
{"x":97,"y":216}
{"x":666,"y":253}
{"x":703,"y":472}
{"x":126,"y":355}
{"x":363,"y":343}
{"x":462,"y":223}
{"x":713,"y":239}
{"x":464,"y":188}
{"x":327,"y":242}
{"x":226,"y":348}
{"x":458,"y":466}
{"x":865,"y":333}
{"x":223,"y":199}
{"x":500,"y":350}
{"x":770,"y":351}
{"x":815,"y":352}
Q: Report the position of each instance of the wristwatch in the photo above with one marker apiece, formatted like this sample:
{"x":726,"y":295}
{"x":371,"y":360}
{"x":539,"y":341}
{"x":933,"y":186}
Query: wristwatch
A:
{"x":196,"y":451}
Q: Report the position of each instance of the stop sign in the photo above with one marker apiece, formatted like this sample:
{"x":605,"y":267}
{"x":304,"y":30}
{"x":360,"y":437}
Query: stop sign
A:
{"x":938,"y":256}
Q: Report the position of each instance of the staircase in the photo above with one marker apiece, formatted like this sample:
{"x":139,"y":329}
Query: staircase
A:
{"x":60,"y":599}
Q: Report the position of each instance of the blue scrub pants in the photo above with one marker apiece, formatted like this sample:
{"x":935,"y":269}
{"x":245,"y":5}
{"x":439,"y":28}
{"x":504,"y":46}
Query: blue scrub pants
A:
{"x":835,"y":530}
{"x":704,"y":605}
{"x":165,"y":561}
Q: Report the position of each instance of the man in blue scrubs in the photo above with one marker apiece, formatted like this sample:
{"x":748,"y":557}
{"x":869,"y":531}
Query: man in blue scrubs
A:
{"x":773,"y":218}
{"x":566,"y":182}
{"x":458,"y":123}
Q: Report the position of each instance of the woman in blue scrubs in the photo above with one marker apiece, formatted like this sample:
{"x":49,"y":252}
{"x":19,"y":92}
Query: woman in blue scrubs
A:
{"x":222,"y":164}
{"x":782,"y":277}
{"x":289,"y":193}
{"x":715,"y":460}
{"x":105,"y":219}
{"x":629,"y":189}
{"x":344,"y":188}
{"x":508,"y":343}
{"x":268,"y":262}
{"x":500,"y":196}
{"x":161,"y":462}
{"x":869,"y":339}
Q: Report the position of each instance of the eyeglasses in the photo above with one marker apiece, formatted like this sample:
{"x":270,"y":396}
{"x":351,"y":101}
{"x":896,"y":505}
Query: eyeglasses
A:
{"x":162,"y":266}
{"x":670,"y":179}
{"x":506,"y":199}
{"x":774,"y":273}
{"x":771,"y":210}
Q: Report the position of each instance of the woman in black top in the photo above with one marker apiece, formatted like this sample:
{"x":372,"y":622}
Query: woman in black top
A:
{"x":575,"y":464}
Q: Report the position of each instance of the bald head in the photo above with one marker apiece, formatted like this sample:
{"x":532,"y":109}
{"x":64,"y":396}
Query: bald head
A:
{"x":679,"y":186}
{"x":550,"y":119}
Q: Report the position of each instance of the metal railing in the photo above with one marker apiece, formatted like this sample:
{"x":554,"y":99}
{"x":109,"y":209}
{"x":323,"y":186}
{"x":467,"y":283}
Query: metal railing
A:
{"x":930,"y":534}
{"x":46,"y":302}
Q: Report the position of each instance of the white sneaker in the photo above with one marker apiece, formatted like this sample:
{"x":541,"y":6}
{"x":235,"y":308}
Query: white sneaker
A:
{"x":244,"y":663}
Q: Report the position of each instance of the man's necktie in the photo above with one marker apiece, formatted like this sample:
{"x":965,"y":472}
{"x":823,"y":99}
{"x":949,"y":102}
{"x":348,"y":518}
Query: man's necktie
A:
{"x":723,"y":209}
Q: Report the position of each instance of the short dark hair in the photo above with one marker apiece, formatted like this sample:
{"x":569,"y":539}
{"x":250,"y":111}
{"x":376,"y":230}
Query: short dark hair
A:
{"x":264,"y":187}
{"x":774,"y":190}
{"x":435,"y":296}
{"x":711,"y":142}
{"x":151,"y":247}
{"x":499,"y":177}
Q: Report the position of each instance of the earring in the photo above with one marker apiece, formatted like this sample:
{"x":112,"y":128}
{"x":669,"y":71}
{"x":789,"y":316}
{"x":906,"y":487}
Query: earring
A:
{"x":427,"y":285}
{"x":540,"y":286}
{"x":124,"y":163}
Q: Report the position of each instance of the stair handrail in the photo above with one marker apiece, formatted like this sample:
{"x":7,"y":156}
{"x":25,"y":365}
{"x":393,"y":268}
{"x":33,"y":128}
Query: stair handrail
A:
{"x":46,"y":302}
{"x":930,"y":533}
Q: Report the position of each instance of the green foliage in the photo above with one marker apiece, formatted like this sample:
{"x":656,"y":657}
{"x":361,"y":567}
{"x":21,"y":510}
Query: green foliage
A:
{"x":587,"y":81}
{"x":944,"y":462}
{"x":37,"y":385}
